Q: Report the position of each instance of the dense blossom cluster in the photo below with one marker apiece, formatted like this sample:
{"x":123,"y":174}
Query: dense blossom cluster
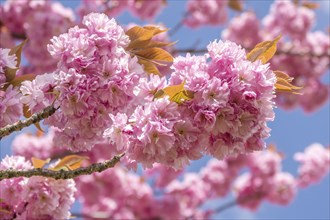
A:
{"x":106,"y":105}
{"x":304,"y":56}
{"x":315,"y":164}
{"x":145,"y":10}
{"x":40,"y":145}
{"x":37,"y":21}
{"x":264,"y":181}
{"x":217,"y":121}
{"x":10,"y":106}
{"x":95,"y":77}
{"x":35,"y":197}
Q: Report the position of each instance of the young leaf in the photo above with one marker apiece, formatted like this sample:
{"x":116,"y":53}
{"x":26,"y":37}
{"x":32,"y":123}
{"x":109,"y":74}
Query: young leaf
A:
{"x":149,"y":67}
{"x":38,"y":163}
{"x":310,"y":5}
{"x":235,"y":5}
{"x":17,"y":51}
{"x":155,"y":54}
{"x":283,"y":83}
{"x":27,"y":114}
{"x":148,"y":51}
{"x":18,"y":80}
{"x":176,"y":93}
{"x":70,"y":162}
{"x":263,"y":51}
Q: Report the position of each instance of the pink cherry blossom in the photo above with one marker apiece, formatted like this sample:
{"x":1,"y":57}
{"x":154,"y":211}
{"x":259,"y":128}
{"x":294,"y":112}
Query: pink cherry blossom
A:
{"x":41,"y":147}
{"x":6,"y":61}
{"x":283,"y":189}
{"x":314,"y":164}
{"x":206,"y":12}
{"x":11,"y":108}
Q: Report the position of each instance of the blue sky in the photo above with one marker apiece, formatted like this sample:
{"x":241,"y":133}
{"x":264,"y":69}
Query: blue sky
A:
{"x":292,"y":130}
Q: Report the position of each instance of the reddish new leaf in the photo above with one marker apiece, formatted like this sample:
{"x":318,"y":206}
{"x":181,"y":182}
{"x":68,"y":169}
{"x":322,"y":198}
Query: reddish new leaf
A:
{"x":17,"y":51}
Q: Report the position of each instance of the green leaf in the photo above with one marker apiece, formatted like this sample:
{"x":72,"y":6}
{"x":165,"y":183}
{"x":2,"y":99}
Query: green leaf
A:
{"x":263,"y":51}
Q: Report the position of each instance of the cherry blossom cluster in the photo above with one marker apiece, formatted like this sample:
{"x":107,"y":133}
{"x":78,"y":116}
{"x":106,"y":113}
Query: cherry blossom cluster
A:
{"x":37,"y":21}
{"x":314,"y":164}
{"x":95,"y":77}
{"x":10,"y":105}
{"x":145,"y":10}
{"x":303,"y":54}
{"x":186,"y":198}
{"x":210,"y":12}
{"x":40,"y":145}
{"x":103,"y":92}
{"x":265,"y":181}
{"x":35,"y":197}
{"x":227,"y":116}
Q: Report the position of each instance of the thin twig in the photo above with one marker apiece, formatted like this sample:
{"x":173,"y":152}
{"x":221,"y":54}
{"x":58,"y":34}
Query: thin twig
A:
{"x":177,"y":27}
{"x":237,"y":201}
{"x":61,"y":174}
{"x":17,"y":126}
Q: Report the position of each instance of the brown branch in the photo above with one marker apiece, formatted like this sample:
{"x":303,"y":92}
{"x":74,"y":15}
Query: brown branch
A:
{"x":278,"y":52}
{"x":61,"y":174}
{"x":237,"y":201}
{"x":17,"y":126}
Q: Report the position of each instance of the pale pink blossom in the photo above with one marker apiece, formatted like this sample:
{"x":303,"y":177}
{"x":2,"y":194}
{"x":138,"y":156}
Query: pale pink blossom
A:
{"x":11,"y":109}
{"x":283,"y":189}
{"x":206,"y":12}
{"x":314,"y":164}
{"x":6,"y":61}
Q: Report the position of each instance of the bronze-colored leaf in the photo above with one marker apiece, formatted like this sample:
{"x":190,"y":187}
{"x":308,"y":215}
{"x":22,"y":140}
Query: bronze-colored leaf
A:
{"x":155,"y":54}
{"x":18,"y":80}
{"x":235,"y":5}
{"x":141,"y":36}
{"x":70,"y":162}
{"x":283,"y":83}
{"x":310,"y":5}
{"x":149,"y":67}
{"x":17,"y":51}
{"x":149,"y":52}
{"x":263,"y":51}
{"x":177,"y":93}
{"x":27,"y":114}
{"x":39,"y":163}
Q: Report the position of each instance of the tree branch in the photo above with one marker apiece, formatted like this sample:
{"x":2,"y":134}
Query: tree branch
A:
{"x":237,"y":201}
{"x":61,"y":174}
{"x":17,"y":126}
{"x":278,"y":52}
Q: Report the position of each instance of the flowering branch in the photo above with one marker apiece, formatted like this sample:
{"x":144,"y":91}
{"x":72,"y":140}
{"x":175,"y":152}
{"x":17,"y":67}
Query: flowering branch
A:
{"x":17,"y":126}
{"x":61,"y":174}
{"x":279,"y":51}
